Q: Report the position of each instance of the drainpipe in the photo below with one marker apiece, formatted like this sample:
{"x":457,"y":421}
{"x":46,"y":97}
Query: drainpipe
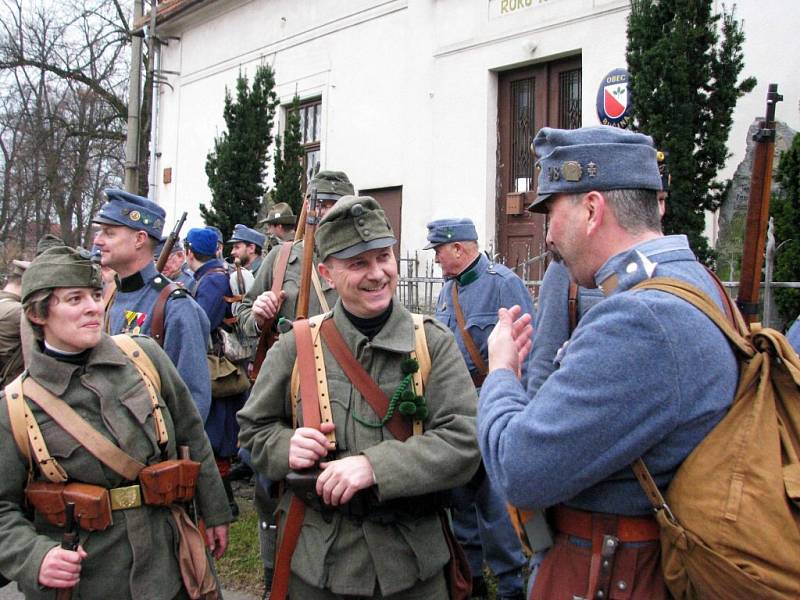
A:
{"x":134,"y":101}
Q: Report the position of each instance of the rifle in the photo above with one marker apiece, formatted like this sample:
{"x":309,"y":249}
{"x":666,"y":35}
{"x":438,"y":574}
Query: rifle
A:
{"x":69,"y":541}
{"x":311,"y":220}
{"x":758,"y":211}
{"x":169,"y":243}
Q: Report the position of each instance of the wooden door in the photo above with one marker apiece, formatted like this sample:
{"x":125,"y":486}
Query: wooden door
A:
{"x":391,"y":200}
{"x":530,"y":98}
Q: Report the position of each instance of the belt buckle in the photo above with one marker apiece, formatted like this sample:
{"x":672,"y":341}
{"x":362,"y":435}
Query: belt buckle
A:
{"x":123,"y":498}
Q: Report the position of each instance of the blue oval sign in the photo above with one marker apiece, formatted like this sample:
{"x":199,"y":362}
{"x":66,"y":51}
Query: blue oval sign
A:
{"x":614,"y":100}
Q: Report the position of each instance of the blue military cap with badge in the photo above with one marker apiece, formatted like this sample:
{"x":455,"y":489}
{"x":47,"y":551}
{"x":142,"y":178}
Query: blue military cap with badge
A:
{"x":202,"y":240}
{"x":444,"y":231}
{"x":241,"y":233}
{"x":593,"y":158}
{"x":130,"y":210}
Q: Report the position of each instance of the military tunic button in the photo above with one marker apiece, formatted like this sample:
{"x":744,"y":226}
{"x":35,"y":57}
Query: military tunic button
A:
{"x":631,"y":268}
{"x":361,"y":221}
{"x":366,"y":232}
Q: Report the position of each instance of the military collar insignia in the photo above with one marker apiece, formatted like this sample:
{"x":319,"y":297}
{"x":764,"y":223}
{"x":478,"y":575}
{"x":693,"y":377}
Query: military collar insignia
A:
{"x":467,"y":278}
{"x":633,"y":269}
{"x":131,"y":284}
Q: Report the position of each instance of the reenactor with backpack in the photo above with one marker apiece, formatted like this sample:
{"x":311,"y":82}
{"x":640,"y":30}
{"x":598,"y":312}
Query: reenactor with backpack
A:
{"x":645,"y":374}
{"x":370,"y":469}
{"x":110,"y":418}
{"x":147,"y":302}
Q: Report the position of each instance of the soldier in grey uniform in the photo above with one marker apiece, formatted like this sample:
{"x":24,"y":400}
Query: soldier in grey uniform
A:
{"x":176,"y":267}
{"x":130,"y":227}
{"x":11,"y":363}
{"x":279,"y":224}
{"x":375,"y":532}
{"x":478,"y":287}
{"x":136,"y":555}
{"x":247,"y":246}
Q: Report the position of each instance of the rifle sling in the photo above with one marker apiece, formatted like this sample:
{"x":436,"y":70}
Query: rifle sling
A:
{"x":157,"y":323}
{"x":477,"y":359}
{"x":399,"y":427}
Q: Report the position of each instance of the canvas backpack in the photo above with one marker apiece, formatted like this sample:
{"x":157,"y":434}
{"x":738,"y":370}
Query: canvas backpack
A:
{"x":730,"y":523}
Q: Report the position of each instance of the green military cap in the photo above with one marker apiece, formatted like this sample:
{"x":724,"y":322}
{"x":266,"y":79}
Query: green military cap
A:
{"x":330,"y":185}
{"x":280,"y":214}
{"x":47,"y":241}
{"x":354,"y":225}
{"x":61,"y":267}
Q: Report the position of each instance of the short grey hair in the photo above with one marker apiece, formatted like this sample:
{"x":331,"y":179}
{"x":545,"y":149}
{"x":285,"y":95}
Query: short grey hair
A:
{"x":636,"y":210}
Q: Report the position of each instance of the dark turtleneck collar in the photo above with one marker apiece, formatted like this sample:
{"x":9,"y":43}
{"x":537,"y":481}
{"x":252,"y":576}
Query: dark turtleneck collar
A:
{"x":369,"y":327}
{"x":469,"y":274}
{"x":74,"y":359}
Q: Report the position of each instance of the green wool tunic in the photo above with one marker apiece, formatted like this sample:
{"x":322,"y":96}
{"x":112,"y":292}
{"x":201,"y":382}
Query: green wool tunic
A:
{"x":343,"y":555}
{"x":135,"y":557}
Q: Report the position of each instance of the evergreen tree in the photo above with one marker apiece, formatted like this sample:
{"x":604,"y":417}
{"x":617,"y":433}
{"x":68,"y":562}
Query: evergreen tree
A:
{"x":289,"y":161}
{"x":785,"y":210}
{"x":236,"y":166}
{"x":684,"y":63}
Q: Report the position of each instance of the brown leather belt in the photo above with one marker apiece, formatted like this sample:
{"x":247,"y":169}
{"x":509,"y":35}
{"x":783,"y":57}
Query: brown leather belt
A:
{"x":579,"y":523}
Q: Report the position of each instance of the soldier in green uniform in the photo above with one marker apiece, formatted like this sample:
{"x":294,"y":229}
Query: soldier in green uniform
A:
{"x":374,"y":530}
{"x":136,"y":554}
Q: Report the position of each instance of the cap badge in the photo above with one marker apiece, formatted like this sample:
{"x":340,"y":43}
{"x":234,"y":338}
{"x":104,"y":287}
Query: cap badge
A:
{"x":591,"y":169}
{"x":572,"y":170}
{"x":134,"y":215}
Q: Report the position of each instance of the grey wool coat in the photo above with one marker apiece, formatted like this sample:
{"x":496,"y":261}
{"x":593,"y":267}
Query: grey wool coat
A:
{"x":136,"y":556}
{"x":342,"y":555}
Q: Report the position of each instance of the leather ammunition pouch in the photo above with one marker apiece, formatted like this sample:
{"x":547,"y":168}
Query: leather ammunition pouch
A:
{"x":169,"y":481}
{"x":92,"y":503}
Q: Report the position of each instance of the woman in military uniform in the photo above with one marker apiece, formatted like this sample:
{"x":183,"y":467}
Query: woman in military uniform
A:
{"x":135,"y":553}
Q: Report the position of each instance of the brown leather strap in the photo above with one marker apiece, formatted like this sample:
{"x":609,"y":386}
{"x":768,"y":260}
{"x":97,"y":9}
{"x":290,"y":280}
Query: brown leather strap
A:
{"x":477,"y":359}
{"x":580,"y":524}
{"x":268,"y":337}
{"x":398,"y":425}
{"x":572,"y":304}
{"x":70,"y":421}
{"x":309,"y":393}
{"x":648,"y":485}
{"x":157,"y":320}
{"x":288,"y":543}
{"x":15,"y":403}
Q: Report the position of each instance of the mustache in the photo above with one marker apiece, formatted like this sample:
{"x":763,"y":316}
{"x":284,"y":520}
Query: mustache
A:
{"x":554,"y":255}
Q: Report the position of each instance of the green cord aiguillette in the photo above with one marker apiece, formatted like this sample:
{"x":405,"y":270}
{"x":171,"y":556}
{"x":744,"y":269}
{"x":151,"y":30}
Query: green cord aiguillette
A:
{"x":410,"y":404}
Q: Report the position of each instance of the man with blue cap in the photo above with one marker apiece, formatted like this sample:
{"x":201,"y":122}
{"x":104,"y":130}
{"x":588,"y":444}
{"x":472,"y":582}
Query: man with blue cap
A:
{"x":626,"y":385}
{"x":214,"y":295}
{"x":146,"y":301}
{"x":475,"y":288}
{"x":247,"y":246}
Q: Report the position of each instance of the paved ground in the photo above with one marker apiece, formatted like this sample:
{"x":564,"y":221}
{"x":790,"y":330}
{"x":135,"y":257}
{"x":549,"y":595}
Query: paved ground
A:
{"x":10,"y":593}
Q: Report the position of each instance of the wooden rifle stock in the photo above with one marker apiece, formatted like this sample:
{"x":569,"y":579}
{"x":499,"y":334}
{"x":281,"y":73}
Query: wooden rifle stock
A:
{"x":758,"y":211}
{"x":69,"y":541}
{"x":171,"y":239}
{"x":308,"y":256}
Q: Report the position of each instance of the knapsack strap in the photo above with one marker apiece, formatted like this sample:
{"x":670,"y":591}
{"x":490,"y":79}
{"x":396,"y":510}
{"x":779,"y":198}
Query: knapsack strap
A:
{"x":477,"y":359}
{"x":700,"y":300}
{"x":15,"y":403}
{"x":323,"y":303}
{"x":70,"y":421}
{"x":423,"y":356}
{"x":361,"y":380}
{"x":150,"y":376}
{"x":311,"y":370}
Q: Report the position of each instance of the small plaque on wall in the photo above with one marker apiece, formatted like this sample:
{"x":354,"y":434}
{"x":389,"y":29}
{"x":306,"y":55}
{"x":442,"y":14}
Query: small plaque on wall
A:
{"x":168,"y":175}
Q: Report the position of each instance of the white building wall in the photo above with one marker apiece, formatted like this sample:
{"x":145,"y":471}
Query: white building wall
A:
{"x":409,"y":87}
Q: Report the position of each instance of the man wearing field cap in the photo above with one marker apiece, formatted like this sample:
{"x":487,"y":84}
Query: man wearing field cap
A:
{"x":475,"y":288}
{"x":261,"y":303}
{"x":627,"y":384}
{"x":146,"y":302}
{"x":280,"y":223}
{"x":373,"y":528}
{"x":176,"y":267}
{"x":247,"y":246}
